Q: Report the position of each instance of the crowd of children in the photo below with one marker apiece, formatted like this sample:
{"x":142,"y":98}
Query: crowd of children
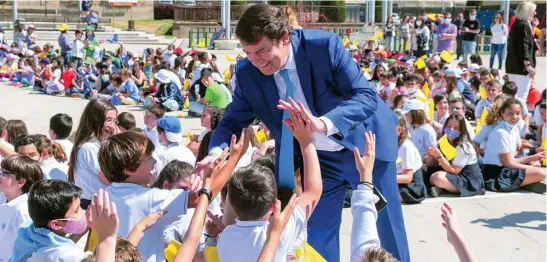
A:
{"x":140,"y":190}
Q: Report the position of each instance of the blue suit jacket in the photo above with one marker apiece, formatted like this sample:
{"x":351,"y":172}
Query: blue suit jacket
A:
{"x":334,"y":86}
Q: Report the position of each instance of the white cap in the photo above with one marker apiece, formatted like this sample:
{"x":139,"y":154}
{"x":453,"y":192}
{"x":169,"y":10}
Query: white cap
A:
{"x":162,"y":76}
{"x":29,"y":53}
{"x":473,"y":68}
{"x":216,"y":77}
{"x":413,"y":104}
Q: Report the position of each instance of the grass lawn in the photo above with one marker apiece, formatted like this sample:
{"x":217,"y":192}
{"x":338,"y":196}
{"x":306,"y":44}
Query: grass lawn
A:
{"x":158,"y":27}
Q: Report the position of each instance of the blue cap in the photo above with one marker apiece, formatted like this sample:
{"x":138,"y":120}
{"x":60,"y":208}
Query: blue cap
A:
{"x":45,"y":61}
{"x":172,"y":127}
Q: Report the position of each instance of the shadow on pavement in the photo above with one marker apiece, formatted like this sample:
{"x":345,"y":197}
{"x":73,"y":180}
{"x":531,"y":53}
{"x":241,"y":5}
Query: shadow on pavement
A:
{"x":515,"y":220}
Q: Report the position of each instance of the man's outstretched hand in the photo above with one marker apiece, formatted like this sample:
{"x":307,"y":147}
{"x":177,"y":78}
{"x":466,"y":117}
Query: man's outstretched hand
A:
{"x":297,"y":108}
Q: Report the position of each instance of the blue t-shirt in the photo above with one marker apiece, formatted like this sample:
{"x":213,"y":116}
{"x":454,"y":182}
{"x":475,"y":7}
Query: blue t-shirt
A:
{"x":132,"y":88}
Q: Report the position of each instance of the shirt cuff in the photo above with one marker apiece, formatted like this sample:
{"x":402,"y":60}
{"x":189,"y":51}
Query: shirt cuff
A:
{"x":215,"y":151}
{"x":331,"y":128}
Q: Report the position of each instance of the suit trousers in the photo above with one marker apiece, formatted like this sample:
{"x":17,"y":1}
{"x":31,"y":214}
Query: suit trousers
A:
{"x":338,"y":170}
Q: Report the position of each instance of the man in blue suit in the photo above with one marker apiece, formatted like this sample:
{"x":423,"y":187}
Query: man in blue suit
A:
{"x":312,"y":67}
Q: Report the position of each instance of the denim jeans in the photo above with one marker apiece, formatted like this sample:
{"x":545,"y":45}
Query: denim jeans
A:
{"x":468,"y":49}
{"x":498,"y":49}
{"x":459,"y":47}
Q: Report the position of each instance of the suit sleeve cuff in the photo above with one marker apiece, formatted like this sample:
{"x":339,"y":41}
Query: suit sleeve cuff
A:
{"x":331,"y":128}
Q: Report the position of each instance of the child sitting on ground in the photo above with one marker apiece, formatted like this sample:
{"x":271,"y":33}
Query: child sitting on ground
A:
{"x":60,"y":127}
{"x":54,"y":207}
{"x":170,"y":135}
{"x":17,"y":176}
{"x":151,"y":116}
{"x":409,"y":170}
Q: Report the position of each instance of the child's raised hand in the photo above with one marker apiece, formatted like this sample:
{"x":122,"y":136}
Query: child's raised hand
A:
{"x":434,"y":152}
{"x":279,"y":218}
{"x":238,"y":149}
{"x":102,"y":216}
{"x":365,"y":164}
{"x":301,"y":128}
{"x":450,"y":222}
{"x":149,"y":220}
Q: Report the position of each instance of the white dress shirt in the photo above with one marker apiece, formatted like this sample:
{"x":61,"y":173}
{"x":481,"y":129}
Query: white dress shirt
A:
{"x":321,"y":141}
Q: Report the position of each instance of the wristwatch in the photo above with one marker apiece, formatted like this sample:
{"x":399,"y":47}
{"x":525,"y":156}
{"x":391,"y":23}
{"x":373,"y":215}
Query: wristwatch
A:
{"x":207,"y":192}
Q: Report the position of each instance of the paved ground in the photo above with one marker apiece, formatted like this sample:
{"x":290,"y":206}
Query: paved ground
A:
{"x":498,"y":227}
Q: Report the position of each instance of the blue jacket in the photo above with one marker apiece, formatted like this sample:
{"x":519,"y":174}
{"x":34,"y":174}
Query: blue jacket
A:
{"x":334,"y":86}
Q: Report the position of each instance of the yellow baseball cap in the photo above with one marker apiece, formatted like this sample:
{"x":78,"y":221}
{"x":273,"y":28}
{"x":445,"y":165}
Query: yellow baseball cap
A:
{"x":63,"y":27}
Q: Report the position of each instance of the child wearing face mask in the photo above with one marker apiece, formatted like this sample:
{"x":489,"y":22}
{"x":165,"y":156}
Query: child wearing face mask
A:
{"x":409,"y":167}
{"x":462,"y":174}
{"x":439,"y":85}
{"x":387,"y":90}
{"x":413,"y":83}
{"x":502,"y":170}
{"x":58,"y":223}
{"x":422,"y":133}
{"x":18,"y":174}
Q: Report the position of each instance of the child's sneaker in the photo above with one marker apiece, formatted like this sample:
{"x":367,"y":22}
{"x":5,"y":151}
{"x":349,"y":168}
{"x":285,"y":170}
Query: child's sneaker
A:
{"x":76,"y":95}
{"x":435,"y":191}
{"x":16,"y":84}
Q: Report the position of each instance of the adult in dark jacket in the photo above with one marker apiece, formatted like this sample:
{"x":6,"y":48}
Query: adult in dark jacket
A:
{"x":521,"y":57}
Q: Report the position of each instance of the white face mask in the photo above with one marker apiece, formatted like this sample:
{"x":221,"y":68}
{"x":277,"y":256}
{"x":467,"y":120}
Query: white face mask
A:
{"x":472,"y":17}
{"x":411,"y":90}
{"x":509,"y":125}
{"x":418,"y":23}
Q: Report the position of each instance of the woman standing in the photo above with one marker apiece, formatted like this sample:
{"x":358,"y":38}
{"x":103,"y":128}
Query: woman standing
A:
{"x":420,"y":43}
{"x":499,"y":39}
{"x":389,"y":32}
{"x":404,"y":33}
{"x":521,"y":57}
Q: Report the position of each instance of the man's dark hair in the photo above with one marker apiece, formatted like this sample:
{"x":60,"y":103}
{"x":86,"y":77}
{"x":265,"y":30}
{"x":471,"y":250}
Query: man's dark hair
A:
{"x":262,"y":20}
{"x":267,"y":161}
{"x":61,"y":124}
{"x":127,"y":120}
{"x":24,"y":140}
{"x":509,"y":88}
{"x":252,"y":191}
{"x":50,"y":199}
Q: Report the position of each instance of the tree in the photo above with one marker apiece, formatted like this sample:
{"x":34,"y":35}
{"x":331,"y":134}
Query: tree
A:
{"x":333,"y":11}
{"x":238,"y":2}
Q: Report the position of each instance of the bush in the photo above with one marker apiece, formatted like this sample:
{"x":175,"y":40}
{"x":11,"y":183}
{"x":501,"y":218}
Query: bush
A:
{"x":334,"y":11}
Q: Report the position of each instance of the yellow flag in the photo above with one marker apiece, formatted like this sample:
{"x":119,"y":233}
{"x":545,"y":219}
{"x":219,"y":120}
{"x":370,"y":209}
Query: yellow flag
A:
{"x":311,"y":255}
{"x":423,"y":58}
{"x":171,"y":250}
{"x":186,"y":103}
{"x":431,"y":109}
{"x":261,"y":136}
{"x":229,"y":58}
{"x":446,"y":148}
{"x":446,"y":56}
{"x":482,"y":90}
{"x":211,"y":254}
{"x":419,"y":64}
{"x":425,"y":90}
{"x":187,"y":83}
{"x":92,"y":241}
{"x":478,"y":127}
{"x":399,"y":160}
{"x":484,"y":116}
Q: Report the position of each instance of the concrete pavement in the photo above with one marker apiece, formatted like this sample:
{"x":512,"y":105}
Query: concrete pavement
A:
{"x":498,"y":227}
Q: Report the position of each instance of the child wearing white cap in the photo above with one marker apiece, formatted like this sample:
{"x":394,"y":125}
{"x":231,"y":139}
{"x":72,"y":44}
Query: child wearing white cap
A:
{"x":170,"y":135}
{"x":422,"y":133}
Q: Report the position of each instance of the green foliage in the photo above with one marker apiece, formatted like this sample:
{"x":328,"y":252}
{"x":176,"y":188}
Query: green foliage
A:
{"x":334,"y":11}
{"x":238,"y":2}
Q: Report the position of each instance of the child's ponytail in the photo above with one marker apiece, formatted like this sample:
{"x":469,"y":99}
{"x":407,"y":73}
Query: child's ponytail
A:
{"x":54,"y":149}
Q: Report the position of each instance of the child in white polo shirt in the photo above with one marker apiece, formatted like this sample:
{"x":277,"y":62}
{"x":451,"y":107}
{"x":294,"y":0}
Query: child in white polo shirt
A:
{"x":60,"y":126}
{"x":16,"y":177}
{"x":252,"y":193}
{"x":126,"y":161}
{"x":170,"y":135}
